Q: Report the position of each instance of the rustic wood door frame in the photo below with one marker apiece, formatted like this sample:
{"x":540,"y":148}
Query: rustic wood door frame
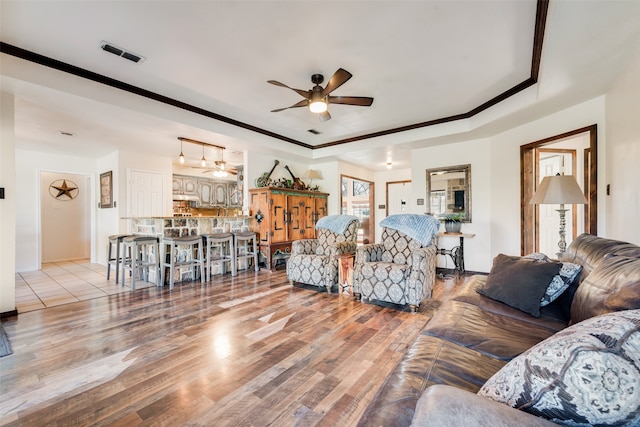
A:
{"x":527,"y":185}
{"x":372,"y":219}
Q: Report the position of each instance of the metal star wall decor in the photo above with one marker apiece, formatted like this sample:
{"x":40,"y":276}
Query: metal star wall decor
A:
{"x":61,"y":190}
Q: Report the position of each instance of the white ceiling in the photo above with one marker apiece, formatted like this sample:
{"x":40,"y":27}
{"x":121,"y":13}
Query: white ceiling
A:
{"x":420,"y":60}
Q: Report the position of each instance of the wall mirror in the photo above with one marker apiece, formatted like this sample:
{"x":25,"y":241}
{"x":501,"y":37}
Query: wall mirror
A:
{"x":449,"y":191}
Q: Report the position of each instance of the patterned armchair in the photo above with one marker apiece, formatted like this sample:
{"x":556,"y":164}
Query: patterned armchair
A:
{"x":315,"y":261}
{"x":401,"y":269}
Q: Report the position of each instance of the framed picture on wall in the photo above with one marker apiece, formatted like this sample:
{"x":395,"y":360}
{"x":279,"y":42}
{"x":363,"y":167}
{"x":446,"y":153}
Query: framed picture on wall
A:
{"x":106,"y":190}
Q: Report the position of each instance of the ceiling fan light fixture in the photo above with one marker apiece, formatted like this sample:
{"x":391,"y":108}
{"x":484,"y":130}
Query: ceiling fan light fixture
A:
{"x":317,"y":102}
{"x":319,"y":106}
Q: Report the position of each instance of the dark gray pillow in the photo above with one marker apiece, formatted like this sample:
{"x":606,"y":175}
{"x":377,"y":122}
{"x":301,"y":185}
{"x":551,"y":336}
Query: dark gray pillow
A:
{"x":519,"y":283}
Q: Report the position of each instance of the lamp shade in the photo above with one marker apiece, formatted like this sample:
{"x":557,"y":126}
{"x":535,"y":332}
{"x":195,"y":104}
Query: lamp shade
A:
{"x":312,"y":174}
{"x":558,"y":189}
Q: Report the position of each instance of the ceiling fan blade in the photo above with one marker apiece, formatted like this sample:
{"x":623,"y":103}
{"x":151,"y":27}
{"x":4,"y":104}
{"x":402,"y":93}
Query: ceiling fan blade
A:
{"x":339,"y":78}
{"x":325,"y":116}
{"x":303,"y":93}
{"x":363,"y":101}
{"x":302,"y":103}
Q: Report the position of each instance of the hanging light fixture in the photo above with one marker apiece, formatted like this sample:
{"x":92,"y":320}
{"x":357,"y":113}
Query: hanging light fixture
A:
{"x":203,"y":162}
{"x":181,"y":156}
{"x":221,"y":172}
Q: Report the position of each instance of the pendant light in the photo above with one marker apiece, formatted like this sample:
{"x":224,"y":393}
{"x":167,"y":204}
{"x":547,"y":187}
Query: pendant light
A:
{"x":181,"y":156}
{"x":203,"y":162}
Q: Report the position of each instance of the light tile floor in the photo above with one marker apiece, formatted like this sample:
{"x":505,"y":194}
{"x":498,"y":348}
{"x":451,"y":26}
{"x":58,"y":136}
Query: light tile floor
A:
{"x":64,"y":282}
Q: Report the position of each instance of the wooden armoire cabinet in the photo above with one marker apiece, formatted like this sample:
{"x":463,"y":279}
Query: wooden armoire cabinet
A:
{"x":282,"y":215}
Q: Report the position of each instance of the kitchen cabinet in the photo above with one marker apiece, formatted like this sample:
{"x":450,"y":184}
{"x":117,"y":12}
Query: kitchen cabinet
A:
{"x":234,"y":195}
{"x":205,"y":192}
{"x":219,"y":194}
{"x":281,"y":216}
{"x":190,"y":186}
{"x":208,"y":192}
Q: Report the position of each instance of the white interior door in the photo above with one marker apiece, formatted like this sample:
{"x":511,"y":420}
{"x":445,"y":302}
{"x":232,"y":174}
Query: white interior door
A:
{"x":147,"y":195}
{"x":398,"y":194}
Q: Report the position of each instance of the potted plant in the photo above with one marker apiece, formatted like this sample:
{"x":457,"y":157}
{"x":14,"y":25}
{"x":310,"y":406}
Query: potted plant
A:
{"x":452,"y":221}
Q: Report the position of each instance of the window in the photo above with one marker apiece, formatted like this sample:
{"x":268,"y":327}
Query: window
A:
{"x":360,"y":188}
{"x":438,"y":202}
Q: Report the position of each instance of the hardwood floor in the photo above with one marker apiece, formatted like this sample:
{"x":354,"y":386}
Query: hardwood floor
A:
{"x":244,"y":351}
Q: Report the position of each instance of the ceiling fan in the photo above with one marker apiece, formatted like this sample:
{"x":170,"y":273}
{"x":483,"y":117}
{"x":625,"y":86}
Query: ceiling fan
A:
{"x":221,"y":168}
{"x":318,"y":98}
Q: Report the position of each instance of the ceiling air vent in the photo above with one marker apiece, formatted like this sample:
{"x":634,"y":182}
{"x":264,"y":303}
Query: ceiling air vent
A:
{"x":111,"y":48}
{"x":313,"y":131}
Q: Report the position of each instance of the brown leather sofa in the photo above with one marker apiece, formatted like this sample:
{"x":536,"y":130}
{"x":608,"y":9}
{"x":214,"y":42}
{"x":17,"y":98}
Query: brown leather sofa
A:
{"x":471,"y":337}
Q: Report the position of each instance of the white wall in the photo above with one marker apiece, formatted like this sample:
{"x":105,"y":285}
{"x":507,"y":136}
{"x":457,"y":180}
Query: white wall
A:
{"x":623,"y":156}
{"x":107,"y":220}
{"x":66,"y":223}
{"x":477,"y":154}
{"x":29,"y":164}
{"x":7,"y":205}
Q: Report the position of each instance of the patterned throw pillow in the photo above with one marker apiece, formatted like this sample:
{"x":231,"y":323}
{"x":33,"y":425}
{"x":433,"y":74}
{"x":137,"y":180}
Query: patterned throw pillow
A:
{"x":587,"y":374}
{"x":560,"y":282}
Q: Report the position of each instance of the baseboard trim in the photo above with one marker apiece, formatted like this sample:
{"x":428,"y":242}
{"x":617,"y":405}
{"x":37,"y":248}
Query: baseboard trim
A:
{"x":11,"y":313}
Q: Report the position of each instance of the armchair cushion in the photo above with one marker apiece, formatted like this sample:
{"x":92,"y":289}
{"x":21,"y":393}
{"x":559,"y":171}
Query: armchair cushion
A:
{"x":369,"y":253}
{"x":385,"y":281}
{"x":304,"y":246}
{"x":327,"y":238}
{"x":398,"y":247}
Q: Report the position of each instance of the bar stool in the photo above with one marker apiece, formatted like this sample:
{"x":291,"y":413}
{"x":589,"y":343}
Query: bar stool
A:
{"x":182,"y":252}
{"x":115,"y":240}
{"x":246,"y":243}
{"x":143,"y":252}
{"x":220,"y":249}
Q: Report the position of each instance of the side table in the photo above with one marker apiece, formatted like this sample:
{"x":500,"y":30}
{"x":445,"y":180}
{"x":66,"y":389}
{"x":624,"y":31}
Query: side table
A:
{"x":456,"y":253}
{"x":345,"y":273}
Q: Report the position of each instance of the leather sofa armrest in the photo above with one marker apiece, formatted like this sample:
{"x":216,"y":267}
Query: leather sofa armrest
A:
{"x":304,"y":246}
{"x":443,"y":405}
